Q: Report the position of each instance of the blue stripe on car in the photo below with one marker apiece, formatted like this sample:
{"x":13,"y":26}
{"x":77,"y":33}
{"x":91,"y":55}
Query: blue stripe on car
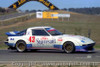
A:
{"x":10,"y":34}
{"x":58,"y":46}
{"x":29,"y":46}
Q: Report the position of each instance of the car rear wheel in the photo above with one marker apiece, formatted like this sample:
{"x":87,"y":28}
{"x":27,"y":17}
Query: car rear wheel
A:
{"x":69,"y":47}
{"x":21,"y":46}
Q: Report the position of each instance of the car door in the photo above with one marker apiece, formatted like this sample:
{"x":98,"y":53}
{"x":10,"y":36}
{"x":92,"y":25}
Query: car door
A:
{"x":41,"y":39}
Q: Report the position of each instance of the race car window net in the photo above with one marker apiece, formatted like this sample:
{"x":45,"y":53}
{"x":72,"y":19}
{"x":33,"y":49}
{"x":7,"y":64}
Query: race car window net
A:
{"x":39,"y":32}
{"x":53,"y":31}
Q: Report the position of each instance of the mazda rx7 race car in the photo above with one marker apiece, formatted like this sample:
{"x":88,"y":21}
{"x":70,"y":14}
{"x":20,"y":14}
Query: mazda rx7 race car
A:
{"x":46,"y":37}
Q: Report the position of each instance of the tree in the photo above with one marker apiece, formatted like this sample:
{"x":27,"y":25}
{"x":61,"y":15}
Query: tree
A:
{"x":2,"y":10}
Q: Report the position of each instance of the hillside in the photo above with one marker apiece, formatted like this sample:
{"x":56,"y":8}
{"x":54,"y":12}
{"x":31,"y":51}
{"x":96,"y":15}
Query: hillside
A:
{"x":78,"y":24}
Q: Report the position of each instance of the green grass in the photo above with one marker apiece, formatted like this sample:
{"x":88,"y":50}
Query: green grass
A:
{"x":3,"y":65}
{"x":78,"y":24}
{"x":97,"y":46}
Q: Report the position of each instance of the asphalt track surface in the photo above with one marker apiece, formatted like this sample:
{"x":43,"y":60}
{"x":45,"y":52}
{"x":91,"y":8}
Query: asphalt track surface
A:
{"x":49,"y":55}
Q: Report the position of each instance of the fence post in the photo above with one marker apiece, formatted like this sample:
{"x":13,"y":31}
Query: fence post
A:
{"x":89,"y":33}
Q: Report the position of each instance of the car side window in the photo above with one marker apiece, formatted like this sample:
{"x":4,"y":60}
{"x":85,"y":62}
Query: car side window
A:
{"x":39,"y":32}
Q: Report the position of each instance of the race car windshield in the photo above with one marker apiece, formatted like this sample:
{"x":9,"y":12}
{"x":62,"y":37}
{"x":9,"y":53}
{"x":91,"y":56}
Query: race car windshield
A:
{"x":53,"y":31}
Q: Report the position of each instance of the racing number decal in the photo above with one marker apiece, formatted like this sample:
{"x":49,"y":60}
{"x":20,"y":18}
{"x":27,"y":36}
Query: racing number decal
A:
{"x":32,"y":39}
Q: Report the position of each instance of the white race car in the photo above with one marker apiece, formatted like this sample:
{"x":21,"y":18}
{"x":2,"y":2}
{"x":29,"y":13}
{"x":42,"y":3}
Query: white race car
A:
{"x":45,"y":37}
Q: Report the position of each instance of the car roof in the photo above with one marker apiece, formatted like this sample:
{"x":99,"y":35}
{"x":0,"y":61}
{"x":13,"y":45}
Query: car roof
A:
{"x":39,"y":27}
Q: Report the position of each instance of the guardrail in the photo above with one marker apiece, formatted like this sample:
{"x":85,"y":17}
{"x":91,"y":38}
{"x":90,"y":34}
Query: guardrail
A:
{"x":30,"y":14}
{"x":17,"y":19}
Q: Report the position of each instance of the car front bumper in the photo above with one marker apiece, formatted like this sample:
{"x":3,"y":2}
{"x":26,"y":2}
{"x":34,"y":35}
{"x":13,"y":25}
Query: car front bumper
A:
{"x":85,"y":48}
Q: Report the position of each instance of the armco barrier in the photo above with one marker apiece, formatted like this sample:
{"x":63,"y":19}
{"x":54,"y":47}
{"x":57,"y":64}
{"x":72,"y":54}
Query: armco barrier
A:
{"x":17,"y":19}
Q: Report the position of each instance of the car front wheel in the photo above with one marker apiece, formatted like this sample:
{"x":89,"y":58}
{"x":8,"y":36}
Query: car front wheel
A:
{"x":69,"y":47}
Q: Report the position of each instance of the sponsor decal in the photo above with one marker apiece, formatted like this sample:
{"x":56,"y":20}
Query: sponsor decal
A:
{"x":46,"y":41}
{"x":60,"y":39}
{"x":11,"y":38}
{"x":28,"y":33}
{"x":21,"y":2}
{"x":32,"y":39}
{"x":14,"y":6}
{"x":45,"y":2}
{"x":50,"y":29}
{"x":52,"y":7}
{"x":18,"y":3}
{"x":82,"y":41}
{"x":44,"y":38}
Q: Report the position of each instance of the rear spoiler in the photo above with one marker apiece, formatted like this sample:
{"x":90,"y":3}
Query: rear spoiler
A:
{"x":12,"y":33}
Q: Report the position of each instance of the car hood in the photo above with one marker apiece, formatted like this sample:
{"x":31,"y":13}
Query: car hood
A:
{"x":82,"y":39}
{"x":73,"y":36}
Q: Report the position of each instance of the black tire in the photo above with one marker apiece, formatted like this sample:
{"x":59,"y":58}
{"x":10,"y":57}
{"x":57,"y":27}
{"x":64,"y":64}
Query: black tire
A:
{"x":21,"y":46}
{"x":69,"y":47}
